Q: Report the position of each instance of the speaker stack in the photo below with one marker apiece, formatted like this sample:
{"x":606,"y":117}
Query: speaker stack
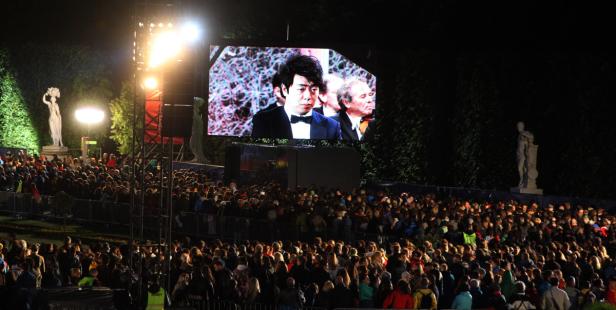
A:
{"x":178,"y":94}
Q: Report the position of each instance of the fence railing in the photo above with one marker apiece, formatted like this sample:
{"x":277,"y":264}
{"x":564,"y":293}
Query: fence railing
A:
{"x":185,"y":222}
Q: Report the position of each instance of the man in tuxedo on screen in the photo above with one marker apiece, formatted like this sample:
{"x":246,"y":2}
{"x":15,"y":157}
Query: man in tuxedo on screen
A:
{"x":357,"y":100}
{"x":301,"y":78}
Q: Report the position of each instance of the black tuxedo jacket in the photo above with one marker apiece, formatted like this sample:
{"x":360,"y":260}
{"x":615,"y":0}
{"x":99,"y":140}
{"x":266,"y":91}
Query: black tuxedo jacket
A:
{"x":275,"y":123}
{"x":348,"y":134}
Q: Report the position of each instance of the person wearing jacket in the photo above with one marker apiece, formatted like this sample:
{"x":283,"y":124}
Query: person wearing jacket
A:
{"x":424,"y":293}
{"x":519,"y":300}
{"x":555,"y":298}
{"x":400,"y":298}
{"x":464,"y":299}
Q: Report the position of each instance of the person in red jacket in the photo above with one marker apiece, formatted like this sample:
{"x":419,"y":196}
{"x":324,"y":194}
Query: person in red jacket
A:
{"x":400,"y":298}
{"x":611,"y":291}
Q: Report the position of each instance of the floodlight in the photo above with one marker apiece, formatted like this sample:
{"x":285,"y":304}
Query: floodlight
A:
{"x":191,"y":31}
{"x":89,"y":115}
{"x":165,"y":45}
{"x":150,"y":83}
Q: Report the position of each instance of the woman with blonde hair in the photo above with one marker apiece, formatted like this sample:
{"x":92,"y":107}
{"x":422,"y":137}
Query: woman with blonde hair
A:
{"x":325,"y":296}
{"x":254,"y":290}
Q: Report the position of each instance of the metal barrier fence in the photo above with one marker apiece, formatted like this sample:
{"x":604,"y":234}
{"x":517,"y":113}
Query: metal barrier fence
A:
{"x":230,"y":305}
{"x":197,"y":224}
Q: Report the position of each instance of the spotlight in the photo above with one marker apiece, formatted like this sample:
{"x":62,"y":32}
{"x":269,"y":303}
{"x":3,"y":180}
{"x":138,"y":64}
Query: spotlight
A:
{"x":191,"y":31}
{"x":150,"y":83}
{"x":89,"y":115}
{"x":166,"y":45}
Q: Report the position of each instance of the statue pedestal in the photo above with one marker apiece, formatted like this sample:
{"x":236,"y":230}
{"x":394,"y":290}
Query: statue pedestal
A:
{"x":50,"y":150}
{"x":526,"y":190}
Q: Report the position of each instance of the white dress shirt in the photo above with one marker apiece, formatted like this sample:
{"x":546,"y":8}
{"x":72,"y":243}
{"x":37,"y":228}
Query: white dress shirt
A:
{"x":300,"y":130}
{"x":355,"y":122}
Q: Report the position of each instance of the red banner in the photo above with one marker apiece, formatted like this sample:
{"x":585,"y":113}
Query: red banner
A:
{"x":153,"y":107}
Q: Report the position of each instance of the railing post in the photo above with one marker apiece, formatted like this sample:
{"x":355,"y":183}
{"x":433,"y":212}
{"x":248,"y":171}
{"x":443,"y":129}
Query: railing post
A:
{"x":90,"y":210}
{"x":15,"y":204}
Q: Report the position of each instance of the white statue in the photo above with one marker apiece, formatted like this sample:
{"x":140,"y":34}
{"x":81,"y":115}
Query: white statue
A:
{"x":526,"y":155}
{"x":55,"y":119}
{"x":196,"y":139}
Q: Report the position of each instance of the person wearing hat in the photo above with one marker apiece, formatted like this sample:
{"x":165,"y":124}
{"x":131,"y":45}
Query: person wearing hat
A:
{"x":519,"y":300}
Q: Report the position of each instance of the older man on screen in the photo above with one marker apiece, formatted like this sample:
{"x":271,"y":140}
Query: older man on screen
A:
{"x":357,"y":99}
{"x":301,"y":78}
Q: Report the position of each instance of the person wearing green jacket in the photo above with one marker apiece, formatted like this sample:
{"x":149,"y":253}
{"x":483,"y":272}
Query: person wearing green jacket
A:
{"x":464,"y":299}
{"x":507,"y":284}
{"x":90,"y":279}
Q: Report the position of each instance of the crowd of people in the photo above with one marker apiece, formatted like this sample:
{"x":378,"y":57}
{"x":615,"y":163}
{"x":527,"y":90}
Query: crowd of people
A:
{"x":430,"y":252}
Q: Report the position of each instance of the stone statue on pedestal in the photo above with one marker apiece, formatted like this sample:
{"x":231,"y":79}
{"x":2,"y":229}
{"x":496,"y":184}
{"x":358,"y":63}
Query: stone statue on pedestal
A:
{"x":196,"y":139}
{"x":57,"y":148}
{"x":526,"y":156}
{"x":55,"y":119}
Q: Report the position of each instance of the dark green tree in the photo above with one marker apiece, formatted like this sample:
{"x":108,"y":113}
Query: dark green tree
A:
{"x":413,"y":120}
{"x":16,"y":128}
{"x":121,"y":117}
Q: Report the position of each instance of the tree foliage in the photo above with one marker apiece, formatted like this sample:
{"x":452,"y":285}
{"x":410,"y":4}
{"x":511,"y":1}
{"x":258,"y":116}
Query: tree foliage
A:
{"x":16,"y":129}
{"x":122,"y":115}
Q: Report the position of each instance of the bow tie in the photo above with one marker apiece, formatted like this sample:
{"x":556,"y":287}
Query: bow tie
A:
{"x":305,"y":119}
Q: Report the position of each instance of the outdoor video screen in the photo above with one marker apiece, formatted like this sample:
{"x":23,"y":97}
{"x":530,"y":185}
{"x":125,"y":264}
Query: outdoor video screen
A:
{"x":289,"y":93}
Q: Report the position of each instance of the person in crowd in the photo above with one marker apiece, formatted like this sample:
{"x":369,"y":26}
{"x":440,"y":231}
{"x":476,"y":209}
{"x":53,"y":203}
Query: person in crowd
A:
{"x":555,"y":298}
{"x":464,"y":299}
{"x":424,"y":296}
{"x":400,"y":298}
{"x":290,"y":297}
{"x":519,"y":300}
{"x":573,"y":292}
{"x":90,"y":280}
{"x":366,"y":292}
{"x":326,"y":296}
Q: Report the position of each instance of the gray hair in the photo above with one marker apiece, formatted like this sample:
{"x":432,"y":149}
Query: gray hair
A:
{"x":474,"y":283}
{"x":344,"y":93}
{"x":520,"y":287}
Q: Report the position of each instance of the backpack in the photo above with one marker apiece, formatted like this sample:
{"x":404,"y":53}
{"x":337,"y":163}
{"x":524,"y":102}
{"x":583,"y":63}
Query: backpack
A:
{"x":426,"y":301}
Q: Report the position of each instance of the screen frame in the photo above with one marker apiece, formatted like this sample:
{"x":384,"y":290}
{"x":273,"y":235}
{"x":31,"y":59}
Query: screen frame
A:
{"x":353,"y":52}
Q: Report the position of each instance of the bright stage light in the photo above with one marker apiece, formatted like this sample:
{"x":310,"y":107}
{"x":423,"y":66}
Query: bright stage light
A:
{"x":191,"y":31}
{"x":89,"y":115}
{"x":150,"y":83}
{"x":165,"y":46}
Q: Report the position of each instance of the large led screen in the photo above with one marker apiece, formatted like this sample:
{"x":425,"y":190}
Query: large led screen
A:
{"x":289,"y":93}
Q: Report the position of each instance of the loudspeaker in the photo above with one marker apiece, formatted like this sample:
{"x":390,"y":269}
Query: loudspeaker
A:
{"x":232,"y":163}
{"x":177,"y":120}
{"x":178,"y":94}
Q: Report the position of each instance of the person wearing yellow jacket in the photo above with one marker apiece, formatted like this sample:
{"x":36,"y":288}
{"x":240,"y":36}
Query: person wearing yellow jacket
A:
{"x":424,"y":296}
{"x":157,"y":296}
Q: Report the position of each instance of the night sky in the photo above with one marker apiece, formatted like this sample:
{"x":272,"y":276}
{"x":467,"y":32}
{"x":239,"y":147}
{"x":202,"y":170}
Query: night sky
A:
{"x":106,"y":24}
